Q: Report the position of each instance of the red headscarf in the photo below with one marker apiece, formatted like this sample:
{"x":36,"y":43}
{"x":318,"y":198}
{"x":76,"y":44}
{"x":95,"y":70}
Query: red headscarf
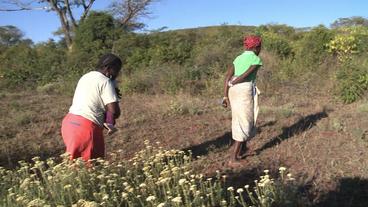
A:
{"x":251,"y":42}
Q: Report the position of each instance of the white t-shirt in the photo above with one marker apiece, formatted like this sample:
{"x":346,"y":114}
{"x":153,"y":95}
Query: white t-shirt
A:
{"x":94,"y":91}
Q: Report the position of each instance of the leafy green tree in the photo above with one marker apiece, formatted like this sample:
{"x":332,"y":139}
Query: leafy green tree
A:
{"x":95,"y":33}
{"x":93,"y":37}
{"x":10,"y":35}
{"x":72,"y":13}
{"x":68,"y":12}
{"x":128,"y":12}
{"x":350,"y":21}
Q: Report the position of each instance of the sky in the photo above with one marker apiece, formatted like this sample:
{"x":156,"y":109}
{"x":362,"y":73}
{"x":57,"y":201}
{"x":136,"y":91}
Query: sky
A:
{"x":178,"y":14}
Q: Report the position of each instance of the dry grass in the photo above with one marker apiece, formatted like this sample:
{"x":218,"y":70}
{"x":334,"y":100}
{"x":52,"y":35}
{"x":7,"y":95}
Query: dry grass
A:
{"x":322,"y":142}
{"x":30,"y":126}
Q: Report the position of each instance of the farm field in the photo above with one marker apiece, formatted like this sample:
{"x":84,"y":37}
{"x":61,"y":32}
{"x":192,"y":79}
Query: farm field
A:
{"x":322,"y":142}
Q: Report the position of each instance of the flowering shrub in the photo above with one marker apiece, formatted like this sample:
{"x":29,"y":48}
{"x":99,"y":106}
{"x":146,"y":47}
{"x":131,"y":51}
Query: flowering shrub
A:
{"x":153,"y":177}
{"x":348,"y":41}
{"x":344,"y":46}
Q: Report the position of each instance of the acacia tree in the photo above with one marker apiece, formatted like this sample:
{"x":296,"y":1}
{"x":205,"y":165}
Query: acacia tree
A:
{"x":350,"y":21}
{"x":127,"y":10}
{"x":65,"y":10}
{"x":10,"y":35}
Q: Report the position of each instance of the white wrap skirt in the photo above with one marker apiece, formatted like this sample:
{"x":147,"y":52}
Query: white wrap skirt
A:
{"x":244,"y":110}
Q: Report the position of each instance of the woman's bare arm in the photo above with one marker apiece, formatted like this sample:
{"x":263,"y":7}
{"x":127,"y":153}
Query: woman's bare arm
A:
{"x":246,"y":74}
{"x":114,"y":109}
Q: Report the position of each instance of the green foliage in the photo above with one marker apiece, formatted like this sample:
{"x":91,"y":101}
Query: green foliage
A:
{"x":139,"y":82}
{"x":94,"y":37}
{"x":311,"y":50}
{"x":18,"y":64}
{"x":352,"y":81}
{"x":132,"y":48}
{"x":171,"y":48}
{"x":348,"y":41}
{"x":351,"y":21}
{"x":10,"y":35}
{"x":192,"y":61}
{"x":27,"y":66}
{"x":278,"y":29}
{"x":343,"y":47}
{"x":361,"y":34}
{"x":95,"y":33}
{"x":51,"y":62}
{"x":137,"y":60}
{"x":277,"y":44}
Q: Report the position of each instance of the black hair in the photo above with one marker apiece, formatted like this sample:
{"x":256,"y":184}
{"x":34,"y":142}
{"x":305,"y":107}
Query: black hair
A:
{"x":109,"y":60}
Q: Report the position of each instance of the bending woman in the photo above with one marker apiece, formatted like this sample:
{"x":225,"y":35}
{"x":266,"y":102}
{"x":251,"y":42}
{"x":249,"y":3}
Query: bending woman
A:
{"x":94,"y":97}
{"x":240,"y":93}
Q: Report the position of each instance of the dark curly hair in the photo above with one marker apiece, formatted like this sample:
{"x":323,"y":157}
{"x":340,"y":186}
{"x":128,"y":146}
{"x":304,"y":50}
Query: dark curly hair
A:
{"x":109,"y":60}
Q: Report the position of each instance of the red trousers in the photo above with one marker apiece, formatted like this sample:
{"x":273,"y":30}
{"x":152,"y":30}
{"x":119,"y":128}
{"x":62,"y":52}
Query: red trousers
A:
{"x":82,"y":137}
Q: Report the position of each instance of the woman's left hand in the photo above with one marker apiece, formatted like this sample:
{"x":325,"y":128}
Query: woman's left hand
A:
{"x":118,"y":93}
{"x":225,"y":102}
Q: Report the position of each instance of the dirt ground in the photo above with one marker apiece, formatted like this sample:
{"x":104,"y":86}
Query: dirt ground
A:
{"x":321,"y":141}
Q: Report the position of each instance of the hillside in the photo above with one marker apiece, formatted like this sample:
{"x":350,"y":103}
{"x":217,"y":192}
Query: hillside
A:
{"x":313,"y":105}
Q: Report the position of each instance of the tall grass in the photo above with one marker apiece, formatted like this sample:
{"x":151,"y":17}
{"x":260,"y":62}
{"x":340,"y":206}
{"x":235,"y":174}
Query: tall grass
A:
{"x":153,"y":177}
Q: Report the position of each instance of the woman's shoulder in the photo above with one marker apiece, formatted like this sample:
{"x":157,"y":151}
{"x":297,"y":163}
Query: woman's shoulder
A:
{"x":96,"y":76}
{"x":247,"y":55}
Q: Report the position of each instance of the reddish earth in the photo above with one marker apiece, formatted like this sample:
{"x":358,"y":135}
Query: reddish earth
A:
{"x":323,"y":143}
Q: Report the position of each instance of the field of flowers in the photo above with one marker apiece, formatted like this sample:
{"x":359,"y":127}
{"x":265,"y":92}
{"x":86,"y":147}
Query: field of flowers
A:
{"x":153,"y":177}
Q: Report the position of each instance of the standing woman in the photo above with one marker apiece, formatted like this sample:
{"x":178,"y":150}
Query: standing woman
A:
{"x":240,"y":93}
{"x":94,"y":97}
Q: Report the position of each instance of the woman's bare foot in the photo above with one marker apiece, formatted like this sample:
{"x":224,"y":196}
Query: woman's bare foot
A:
{"x":234,"y":163}
{"x":248,"y":153}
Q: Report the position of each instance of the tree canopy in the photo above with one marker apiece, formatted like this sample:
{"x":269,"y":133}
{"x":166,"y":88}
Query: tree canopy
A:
{"x":128,"y":12}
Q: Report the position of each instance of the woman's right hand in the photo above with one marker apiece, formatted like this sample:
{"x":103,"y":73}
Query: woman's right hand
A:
{"x":225,"y":102}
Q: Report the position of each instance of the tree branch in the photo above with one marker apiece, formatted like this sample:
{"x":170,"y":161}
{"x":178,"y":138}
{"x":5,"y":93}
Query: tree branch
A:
{"x":134,"y":9}
{"x":86,"y":7}
{"x":21,"y":6}
{"x":70,"y":13}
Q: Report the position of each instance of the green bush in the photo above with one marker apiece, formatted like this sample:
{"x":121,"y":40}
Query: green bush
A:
{"x":192,"y":61}
{"x":28,"y":66}
{"x":138,"y":82}
{"x":132,"y":49}
{"x":51,"y":62}
{"x":171,"y":48}
{"x":96,"y":33}
{"x":93,"y":38}
{"x":18,"y":66}
{"x":352,"y":81}
{"x":138,"y":59}
{"x":277,"y":44}
{"x":311,"y":50}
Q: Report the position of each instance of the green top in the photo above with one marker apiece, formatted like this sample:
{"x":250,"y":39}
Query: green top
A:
{"x":243,"y":62}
